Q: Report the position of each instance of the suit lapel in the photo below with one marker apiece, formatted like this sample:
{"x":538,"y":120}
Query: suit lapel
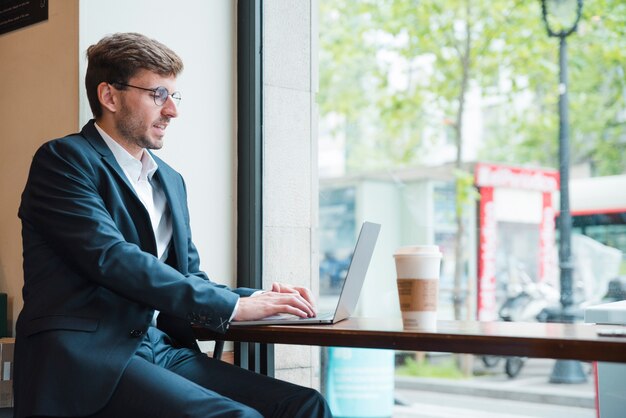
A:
{"x":171,"y":186}
{"x":93,"y":137}
{"x":174,"y":196}
{"x":91,"y":134}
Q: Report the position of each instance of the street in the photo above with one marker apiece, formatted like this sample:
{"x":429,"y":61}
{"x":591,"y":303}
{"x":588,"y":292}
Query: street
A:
{"x":495,"y":395}
{"x":424,"y":404}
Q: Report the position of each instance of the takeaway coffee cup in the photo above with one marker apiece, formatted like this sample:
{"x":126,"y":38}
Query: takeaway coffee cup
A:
{"x":417,"y":269}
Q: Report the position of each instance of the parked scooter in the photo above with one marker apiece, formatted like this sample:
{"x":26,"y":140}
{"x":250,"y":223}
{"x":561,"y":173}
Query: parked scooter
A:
{"x":525,"y":300}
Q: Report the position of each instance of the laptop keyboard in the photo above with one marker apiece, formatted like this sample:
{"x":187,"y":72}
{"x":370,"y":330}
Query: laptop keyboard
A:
{"x":284,"y":316}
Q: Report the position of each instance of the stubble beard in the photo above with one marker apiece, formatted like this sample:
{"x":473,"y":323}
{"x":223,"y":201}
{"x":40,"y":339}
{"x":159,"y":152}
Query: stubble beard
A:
{"x":133,"y":130}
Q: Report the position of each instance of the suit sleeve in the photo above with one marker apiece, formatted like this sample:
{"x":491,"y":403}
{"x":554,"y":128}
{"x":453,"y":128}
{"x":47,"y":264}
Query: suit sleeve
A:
{"x":62,"y":202}
{"x":193,"y":258}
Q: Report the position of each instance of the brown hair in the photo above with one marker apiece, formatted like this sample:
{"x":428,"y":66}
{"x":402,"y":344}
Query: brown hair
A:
{"x":118,"y":57}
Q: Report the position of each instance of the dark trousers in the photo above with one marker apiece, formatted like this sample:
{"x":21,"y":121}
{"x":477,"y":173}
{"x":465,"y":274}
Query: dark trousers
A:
{"x":166,"y":382}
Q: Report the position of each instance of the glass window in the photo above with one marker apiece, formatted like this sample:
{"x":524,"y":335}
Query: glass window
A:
{"x":440,"y":120}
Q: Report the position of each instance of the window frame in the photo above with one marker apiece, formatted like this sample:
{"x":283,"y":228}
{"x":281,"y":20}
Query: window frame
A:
{"x":253,"y":356}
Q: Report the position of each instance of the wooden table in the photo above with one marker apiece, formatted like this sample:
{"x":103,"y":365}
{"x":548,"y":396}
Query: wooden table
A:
{"x":542,"y":340}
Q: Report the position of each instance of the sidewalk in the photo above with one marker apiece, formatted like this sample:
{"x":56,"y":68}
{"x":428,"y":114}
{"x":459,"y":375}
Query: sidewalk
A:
{"x":531,"y":385}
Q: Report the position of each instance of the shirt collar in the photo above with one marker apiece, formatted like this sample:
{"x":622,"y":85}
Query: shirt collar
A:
{"x":133,"y":168}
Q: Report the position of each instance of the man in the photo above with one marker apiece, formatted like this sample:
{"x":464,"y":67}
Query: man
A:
{"x":111,"y":275}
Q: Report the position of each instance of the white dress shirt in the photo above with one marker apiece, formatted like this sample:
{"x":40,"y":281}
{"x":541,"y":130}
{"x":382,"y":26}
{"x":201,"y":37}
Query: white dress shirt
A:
{"x":151,"y":194}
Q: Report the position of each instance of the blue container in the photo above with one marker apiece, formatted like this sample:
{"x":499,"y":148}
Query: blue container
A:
{"x":359,"y":382}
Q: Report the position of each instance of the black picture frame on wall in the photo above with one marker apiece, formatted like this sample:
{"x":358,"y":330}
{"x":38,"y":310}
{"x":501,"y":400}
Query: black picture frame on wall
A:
{"x":17,"y":14}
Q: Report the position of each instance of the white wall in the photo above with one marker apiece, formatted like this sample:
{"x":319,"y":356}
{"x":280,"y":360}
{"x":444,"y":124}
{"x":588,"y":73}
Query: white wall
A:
{"x":201,"y":142}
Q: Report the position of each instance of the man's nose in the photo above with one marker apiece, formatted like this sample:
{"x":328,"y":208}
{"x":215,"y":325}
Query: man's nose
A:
{"x":169,"y":109}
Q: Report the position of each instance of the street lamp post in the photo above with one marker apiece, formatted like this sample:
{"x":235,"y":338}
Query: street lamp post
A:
{"x":561,"y":19}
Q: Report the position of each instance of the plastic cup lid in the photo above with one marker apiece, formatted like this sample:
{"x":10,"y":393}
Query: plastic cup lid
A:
{"x":419,"y":250}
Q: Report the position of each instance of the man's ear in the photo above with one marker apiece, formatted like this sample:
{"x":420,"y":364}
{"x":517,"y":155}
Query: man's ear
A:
{"x":108,"y":97}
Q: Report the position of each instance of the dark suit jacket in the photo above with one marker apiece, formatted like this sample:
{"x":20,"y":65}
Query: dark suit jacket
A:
{"x":92,"y":280}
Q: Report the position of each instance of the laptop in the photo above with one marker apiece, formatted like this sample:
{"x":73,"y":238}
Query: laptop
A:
{"x":350,"y":290}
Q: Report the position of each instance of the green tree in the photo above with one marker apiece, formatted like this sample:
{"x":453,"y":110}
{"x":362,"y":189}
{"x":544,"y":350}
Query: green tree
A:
{"x":597,"y":102}
{"x":397,"y":73}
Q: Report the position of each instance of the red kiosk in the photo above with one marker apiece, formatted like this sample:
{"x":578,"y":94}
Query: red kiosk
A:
{"x":513,"y":201}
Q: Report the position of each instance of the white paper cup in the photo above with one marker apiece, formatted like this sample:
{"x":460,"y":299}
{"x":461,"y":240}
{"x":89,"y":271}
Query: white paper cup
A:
{"x":417,"y":268}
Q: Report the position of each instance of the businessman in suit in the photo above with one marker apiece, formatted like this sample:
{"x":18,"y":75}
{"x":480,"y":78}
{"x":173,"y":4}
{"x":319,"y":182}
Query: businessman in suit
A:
{"x":111,"y":275}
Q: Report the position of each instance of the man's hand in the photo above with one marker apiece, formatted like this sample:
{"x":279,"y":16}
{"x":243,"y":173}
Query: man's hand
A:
{"x":302,"y":291}
{"x":282,"y":298}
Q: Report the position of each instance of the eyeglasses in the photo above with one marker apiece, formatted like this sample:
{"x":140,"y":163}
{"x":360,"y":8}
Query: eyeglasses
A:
{"x":159,"y":94}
